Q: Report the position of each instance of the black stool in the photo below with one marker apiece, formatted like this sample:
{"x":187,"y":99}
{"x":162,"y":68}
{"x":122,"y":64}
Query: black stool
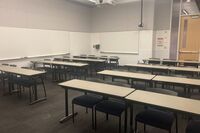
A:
{"x":112,"y":107}
{"x":193,"y":127}
{"x":88,"y":101}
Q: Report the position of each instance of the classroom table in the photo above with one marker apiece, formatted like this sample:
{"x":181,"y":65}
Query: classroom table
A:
{"x":166,"y":69}
{"x":107,"y":58}
{"x":189,"y":63}
{"x":151,"y":68}
{"x":93,"y":87}
{"x":55,"y":65}
{"x":62,"y":63}
{"x":94,"y":64}
{"x":173,"y":103}
{"x":184,"y":82}
{"x":169,"y":62}
{"x":32,"y":74}
{"x":172,"y":62}
{"x":87,"y":60}
{"x":152,"y":61}
{"x":189,"y":70}
{"x":127,"y":75}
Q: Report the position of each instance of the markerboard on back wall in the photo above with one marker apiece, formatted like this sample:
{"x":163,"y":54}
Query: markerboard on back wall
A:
{"x":126,"y":42}
{"x":22,"y":42}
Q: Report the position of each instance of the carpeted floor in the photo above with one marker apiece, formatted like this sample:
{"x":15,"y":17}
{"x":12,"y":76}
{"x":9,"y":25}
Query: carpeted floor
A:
{"x":17,"y":116}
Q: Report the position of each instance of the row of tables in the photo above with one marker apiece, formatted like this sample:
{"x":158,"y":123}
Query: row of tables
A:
{"x":130,"y":96}
{"x":71,"y":64}
{"x":172,"y":62}
{"x":186,"y":83}
{"x":165,"y":69}
{"x":31,"y":74}
{"x":98,"y":57}
{"x":86,"y":60}
{"x":64,"y":67}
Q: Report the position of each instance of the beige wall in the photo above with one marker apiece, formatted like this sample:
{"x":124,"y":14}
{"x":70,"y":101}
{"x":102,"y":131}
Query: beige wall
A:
{"x":125,"y":17}
{"x":68,"y":16}
{"x":162,"y":16}
{"x":45,"y":14}
{"x":162,"y":21}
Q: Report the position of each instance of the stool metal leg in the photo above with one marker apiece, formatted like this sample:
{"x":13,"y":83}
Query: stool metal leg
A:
{"x":73,"y":112}
{"x":95,"y":119}
{"x":119,"y":124}
{"x":107,"y":116}
{"x":135,"y":126}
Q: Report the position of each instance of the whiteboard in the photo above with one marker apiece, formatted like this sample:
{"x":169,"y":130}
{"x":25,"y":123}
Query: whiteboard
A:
{"x":22,"y":42}
{"x":80,"y":43}
{"x":120,"y":42}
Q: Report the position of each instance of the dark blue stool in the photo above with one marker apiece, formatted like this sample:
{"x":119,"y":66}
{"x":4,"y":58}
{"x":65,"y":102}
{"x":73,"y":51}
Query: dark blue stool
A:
{"x":157,"y":118}
{"x":193,"y":127}
{"x":88,"y":101}
{"x":112,"y":107}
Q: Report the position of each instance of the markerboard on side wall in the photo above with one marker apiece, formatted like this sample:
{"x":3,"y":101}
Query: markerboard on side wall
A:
{"x":22,"y":42}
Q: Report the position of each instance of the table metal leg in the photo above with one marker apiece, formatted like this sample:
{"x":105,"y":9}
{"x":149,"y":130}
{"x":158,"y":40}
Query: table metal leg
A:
{"x":125,"y":122}
{"x":67,"y":115}
{"x":131,"y":117}
{"x":36,"y":100}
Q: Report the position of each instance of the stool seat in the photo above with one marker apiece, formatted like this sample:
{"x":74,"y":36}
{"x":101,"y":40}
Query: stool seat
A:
{"x":86,"y":100}
{"x":193,"y":127}
{"x":111,"y":107}
{"x":157,"y":118}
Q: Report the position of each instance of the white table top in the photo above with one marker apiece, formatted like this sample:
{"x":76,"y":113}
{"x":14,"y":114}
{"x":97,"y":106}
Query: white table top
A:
{"x":101,"y":57}
{"x":184,"y":61}
{"x":179,"y":80}
{"x":186,"y":69}
{"x":20,"y":71}
{"x":86,"y":59}
{"x":166,"y":101}
{"x":127,"y":74}
{"x":98,"y":87}
{"x":63,"y":63}
{"x":176,"y":61}
{"x":151,"y":59}
{"x":147,"y":66}
{"x":109,"y":58}
{"x":173,"y":61}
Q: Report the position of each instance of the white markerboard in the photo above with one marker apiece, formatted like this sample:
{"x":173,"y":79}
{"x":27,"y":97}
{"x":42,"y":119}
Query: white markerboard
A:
{"x":22,"y":42}
{"x":126,"y":42}
{"x":80,"y":43}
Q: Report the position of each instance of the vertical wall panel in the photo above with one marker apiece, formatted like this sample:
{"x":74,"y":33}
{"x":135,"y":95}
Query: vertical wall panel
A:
{"x":175,"y":28}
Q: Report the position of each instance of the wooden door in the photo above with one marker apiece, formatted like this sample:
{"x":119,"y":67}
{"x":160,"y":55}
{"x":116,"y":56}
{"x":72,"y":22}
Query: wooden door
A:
{"x":189,"y":43}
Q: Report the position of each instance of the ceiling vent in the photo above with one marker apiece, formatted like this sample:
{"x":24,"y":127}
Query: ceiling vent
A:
{"x":102,"y":2}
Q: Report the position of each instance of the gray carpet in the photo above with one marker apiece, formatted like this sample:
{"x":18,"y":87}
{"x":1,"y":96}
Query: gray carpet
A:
{"x":17,"y":116}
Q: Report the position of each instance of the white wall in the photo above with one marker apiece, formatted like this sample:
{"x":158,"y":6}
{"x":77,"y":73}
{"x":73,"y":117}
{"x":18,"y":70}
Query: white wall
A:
{"x":45,"y":14}
{"x":75,"y":43}
{"x":124,"y":17}
{"x":144,"y":49}
{"x":162,"y":44}
{"x":61,"y":16}
{"x":162,"y":20}
{"x":79,"y":43}
{"x":85,"y":24}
